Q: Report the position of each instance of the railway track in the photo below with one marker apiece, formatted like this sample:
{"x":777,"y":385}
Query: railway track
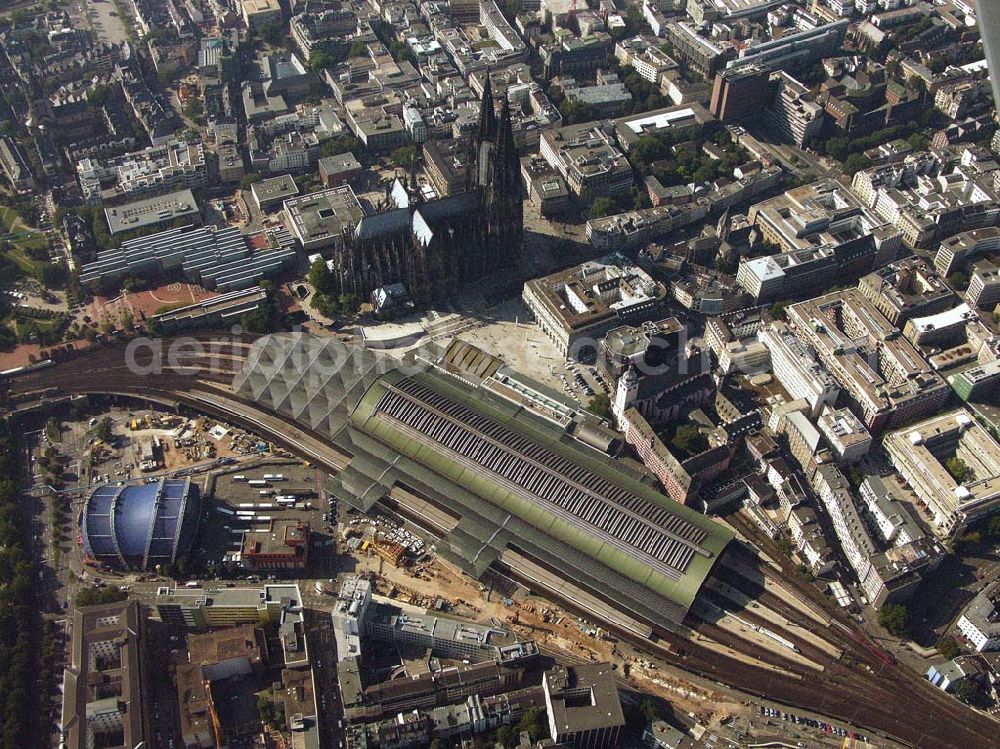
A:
{"x":866,"y":692}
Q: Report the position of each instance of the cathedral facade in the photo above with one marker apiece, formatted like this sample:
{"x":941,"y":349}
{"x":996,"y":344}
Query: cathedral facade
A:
{"x":435,"y":248}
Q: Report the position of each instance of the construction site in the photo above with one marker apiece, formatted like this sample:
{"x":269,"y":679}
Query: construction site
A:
{"x":504,"y":481}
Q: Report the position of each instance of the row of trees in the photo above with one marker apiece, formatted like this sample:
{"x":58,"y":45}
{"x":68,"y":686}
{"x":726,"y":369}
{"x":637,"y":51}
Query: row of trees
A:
{"x":21,"y":631}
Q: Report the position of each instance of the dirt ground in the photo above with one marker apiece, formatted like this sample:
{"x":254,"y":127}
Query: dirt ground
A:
{"x":27,"y":353}
{"x":554,"y":629}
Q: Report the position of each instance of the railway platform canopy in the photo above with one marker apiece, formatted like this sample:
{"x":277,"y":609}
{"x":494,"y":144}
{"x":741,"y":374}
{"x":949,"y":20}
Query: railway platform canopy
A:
{"x":488,"y":475}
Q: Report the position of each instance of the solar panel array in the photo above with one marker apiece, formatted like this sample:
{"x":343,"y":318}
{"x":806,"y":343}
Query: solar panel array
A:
{"x":589,"y":501}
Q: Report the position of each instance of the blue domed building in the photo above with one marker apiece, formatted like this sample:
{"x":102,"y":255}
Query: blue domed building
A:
{"x":140,"y":525}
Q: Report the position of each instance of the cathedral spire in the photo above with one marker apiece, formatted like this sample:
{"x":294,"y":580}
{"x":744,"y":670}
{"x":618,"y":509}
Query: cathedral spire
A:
{"x":487,"y":113}
{"x":507,"y":164}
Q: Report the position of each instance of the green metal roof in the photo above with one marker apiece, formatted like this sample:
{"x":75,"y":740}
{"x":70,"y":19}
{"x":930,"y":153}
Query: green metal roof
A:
{"x":535,"y":514}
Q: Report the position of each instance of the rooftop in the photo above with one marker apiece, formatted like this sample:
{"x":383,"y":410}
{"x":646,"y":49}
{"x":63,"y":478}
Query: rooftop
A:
{"x":152,"y":211}
{"x":320,"y":217}
{"x":583,"y":698}
{"x":274,"y":189}
{"x":597,"y":290}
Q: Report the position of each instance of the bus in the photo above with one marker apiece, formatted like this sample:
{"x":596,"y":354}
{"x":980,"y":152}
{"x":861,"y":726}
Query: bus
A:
{"x":239,"y":477}
{"x":257,"y":482}
{"x":192,"y":584}
{"x":225,"y":511}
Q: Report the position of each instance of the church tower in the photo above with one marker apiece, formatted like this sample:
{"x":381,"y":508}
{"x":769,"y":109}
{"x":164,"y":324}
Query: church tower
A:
{"x":504,"y":199}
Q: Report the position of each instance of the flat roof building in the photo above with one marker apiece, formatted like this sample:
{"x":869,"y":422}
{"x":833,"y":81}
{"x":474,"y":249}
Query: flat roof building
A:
{"x":589,"y":159}
{"x":576,"y":307}
{"x":317,"y":220}
{"x":545,"y":186}
{"x":218,"y":312}
{"x":885,"y":379}
{"x":953,"y":465}
{"x":274,"y":191}
{"x":104,"y":684}
{"x":980,"y":622}
{"x":163,"y":209}
{"x":905,"y":289}
{"x":259,"y":13}
{"x":797,"y":369}
{"x":582,"y":706}
{"x":942,"y":329}
{"x":200,"y":608}
{"x":984,"y":285}
{"x":339,"y":169}
{"x":446,"y":163}
{"x":172,"y":165}
{"x":955,"y":251}
{"x":823,"y":231}
{"x":678,"y":120}
{"x":280,"y":545}
{"x":845,"y":434}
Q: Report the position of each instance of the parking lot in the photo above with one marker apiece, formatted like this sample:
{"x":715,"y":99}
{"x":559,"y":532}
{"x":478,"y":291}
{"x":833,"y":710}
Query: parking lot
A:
{"x":252,"y":495}
{"x":810,"y":728}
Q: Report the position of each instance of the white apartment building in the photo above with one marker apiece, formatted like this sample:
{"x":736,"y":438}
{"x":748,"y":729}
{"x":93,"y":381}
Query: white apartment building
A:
{"x":980,"y":622}
{"x":835,"y":494}
{"x":845,"y":434}
{"x":798,"y":371}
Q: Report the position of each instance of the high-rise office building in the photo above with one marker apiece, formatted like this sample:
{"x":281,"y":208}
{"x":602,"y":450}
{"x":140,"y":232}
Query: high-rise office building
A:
{"x":988,"y":16}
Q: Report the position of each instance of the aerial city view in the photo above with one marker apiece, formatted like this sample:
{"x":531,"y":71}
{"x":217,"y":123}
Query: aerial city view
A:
{"x":499,"y":374}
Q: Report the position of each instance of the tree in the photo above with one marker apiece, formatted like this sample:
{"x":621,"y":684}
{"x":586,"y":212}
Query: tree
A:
{"x":959,"y":280}
{"x":247,"y":180}
{"x":194,"y":108}
{"x":575,"y":111}
{"x":838,"y":148}
{"x":53,"y":430}
{"x":855,"y":163}
{"x":340,"y":144}
{"x":403,"y":156}
{"x":320,"y":277}
{"x":103,"y":430}
{"x":894,"y":617}
{"x":533,"y":721}
{"x":777,"y":310}
{"x":505,"y":736}
{"x":947,"y":647}
{"x":918,"y":142}
{"x":257,"y":321}
{"x":53,"y":275}
{"x":968,"y":541}
{"x":958,"y":469}
{"x":966,"y":691}
{"x":689,"y":440}
{"x":600,"y":405}
{"x":97,"y":596}
{"x":602,"y":207}
{"x":320,"y":59}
